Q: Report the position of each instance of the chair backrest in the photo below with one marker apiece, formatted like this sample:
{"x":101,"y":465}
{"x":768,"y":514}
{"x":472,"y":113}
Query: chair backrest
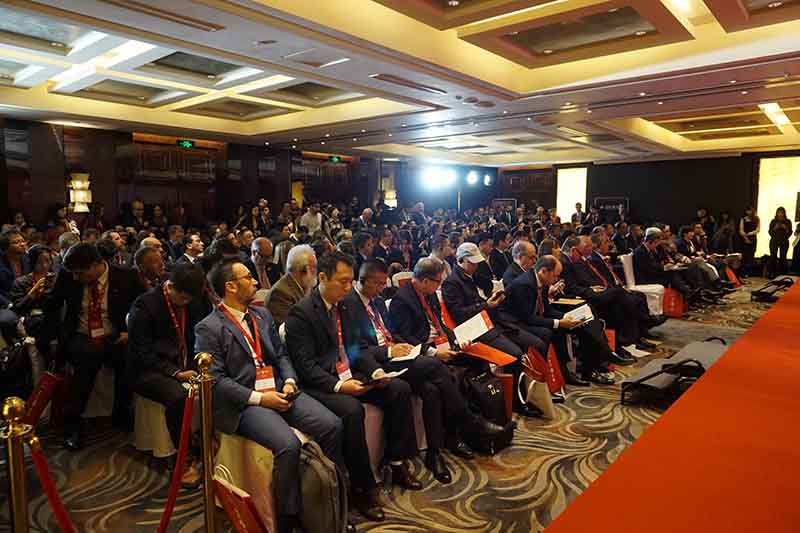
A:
{"x":401,"y":278}
{"x":627,"y":266}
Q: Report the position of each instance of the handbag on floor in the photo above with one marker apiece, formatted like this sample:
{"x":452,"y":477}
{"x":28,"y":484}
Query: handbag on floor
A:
{"x":484,"y":394}
{"x":324,"y":491}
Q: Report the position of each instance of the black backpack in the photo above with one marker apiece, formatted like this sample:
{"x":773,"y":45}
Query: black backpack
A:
{"x":484,"y":394}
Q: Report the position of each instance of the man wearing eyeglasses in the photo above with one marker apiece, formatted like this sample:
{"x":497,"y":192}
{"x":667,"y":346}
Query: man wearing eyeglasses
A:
{"x":97,"y":296}
{"x":255,"y":386}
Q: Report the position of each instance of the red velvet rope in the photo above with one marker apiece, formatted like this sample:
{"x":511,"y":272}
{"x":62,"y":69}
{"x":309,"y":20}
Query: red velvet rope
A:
{"x":177,"y":474}
{"x":43,"y":471}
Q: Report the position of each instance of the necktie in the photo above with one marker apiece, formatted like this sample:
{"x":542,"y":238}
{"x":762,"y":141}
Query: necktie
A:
{"x":540,"y":301}
{"x":247,"y":323}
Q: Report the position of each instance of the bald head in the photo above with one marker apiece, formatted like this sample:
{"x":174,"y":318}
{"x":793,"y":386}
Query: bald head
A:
{"x":152,"y":242}
{"x":261,"y":251}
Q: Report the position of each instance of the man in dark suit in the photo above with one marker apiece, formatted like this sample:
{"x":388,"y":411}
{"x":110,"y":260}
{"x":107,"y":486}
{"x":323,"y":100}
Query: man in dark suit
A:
{"x":383,"y":250}
{"x":484,"y":275}
{"x":324,"y":341}
{"x":500,"y":256}
{"x":93,"y":332}
{"x":528,"y":306}
{"x":621,"y":238}
{"x":443,"y":405}
{"x":300,"y":278}
{"x":161,"y":340}
{"x":260,"y":264}
{"x":193,"y":247}
{"x":649,"y":269}
{"x":363,"y":244}
{"x":364,"y":222}
{"x":460,"y":295}
{"x":253,"y":376}
{"x":523,"y":257}
{"x":579,"y":216}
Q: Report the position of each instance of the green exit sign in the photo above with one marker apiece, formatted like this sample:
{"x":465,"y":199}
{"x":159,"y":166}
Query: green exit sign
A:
{"x":185,"y":143}
{"x":335,"y":159}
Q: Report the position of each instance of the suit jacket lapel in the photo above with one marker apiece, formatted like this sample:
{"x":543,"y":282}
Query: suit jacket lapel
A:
{"x":324,"y":317}
{"x":235,"y":331}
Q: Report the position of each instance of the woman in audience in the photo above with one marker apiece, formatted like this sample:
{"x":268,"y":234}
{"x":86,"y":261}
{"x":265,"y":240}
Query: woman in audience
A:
{"x":749,"y":226}
{"x":780,"y":229}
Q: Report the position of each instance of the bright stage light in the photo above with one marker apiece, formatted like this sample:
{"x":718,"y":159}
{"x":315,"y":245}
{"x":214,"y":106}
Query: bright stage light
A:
{"x":487,"y":179}
{"x":437,"y":177}
{"x":472,"y":177}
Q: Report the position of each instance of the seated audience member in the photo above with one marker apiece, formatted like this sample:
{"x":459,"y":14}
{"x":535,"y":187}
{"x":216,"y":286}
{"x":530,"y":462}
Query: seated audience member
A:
{"x":253,"y":374}
{"x":549,"y":247}
{"x":161,"y":342}
{"x":193,"y":247}
{"x":90,"y":236}
{"x":175,"y":248}
{"x":649,"y":268}
{"x":703,"y":271}
{"x":66,"y":240}
{"x":500,"y":256}
{"x":528,"y":306}
{"x":460,"y":295}
{"x":363,"y":244}
{"x":443,"y":405}
{"x":384,"y":247}
{"x":442,"y":249}
{"x":120,"y":256}
{"x":619,"y":308}
{"x":149,"y":265}
{"x":523,"y":257}
{"x":405,"y":254}
{"x":14,"y":262}
{"x":484,"y":275}
{"x":621,"y":239}
{"x":260,"y":263}
{"x":635,"y":236}
{"x":30,"y":291}
{"x":323,"y":337}
{"x":93,"y":333}
{"x":364,"y":222}
{"x":300,"y":278}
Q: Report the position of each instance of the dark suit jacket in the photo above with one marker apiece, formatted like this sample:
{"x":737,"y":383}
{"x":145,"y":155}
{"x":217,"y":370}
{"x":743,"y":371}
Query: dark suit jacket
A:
{"x":483,"y":278}
{"x":313,"y":342}
{"x":281,"y":297}
{"x":370,"y":356}
{"x":379,"y":252}
{"x":8,"y":275}
{"x":604,"y":268}
{"x":580,"y":279}
{"x":647,"y":268}
{"x":408,"y":321}
{"x":152,"y":339}
{"x":684,"y":248}
{"x":499,"y":261}
{"x":183,"y":258}
{"x":460,"y":295}
{"x":519,"y":307}
{"x":511,"y":274}
{"x":123,"y":288}
{"x":621,"y":243}
{"x":233,"y":368}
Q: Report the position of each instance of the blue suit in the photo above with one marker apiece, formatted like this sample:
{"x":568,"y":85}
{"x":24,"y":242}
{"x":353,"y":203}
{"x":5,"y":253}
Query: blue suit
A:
{"x":234,"y":373}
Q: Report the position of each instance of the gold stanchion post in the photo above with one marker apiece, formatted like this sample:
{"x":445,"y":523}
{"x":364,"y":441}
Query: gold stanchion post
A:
{"x":204,"y":364}
{"x":13,"y":437}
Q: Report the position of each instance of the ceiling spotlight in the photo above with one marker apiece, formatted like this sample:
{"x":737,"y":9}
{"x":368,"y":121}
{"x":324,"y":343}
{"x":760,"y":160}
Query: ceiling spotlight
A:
{"x":363,"y":131}
{"x":294,"y":146}
{"x":211,"y":77}
{"x":487,"y":179}
{"x":57,"y":45}
{"x":529,"y":118}
{"x":355,"y":138}
{"x":733,"y":81}
{"x":266,"y":144}
{"x":389,"y":134}
{"x":295,"y":140}
{"x":453,"y":3}
{"x":472,"y":177}
{"x":322,"y":142}
{"x":505,"y":112}
{"x":327,"y":135}
{"x":567,"y":104}
{"x":642,"y":94}
{"x":613,"y":10}
{"x":744,"y":92}
{"x":512,"y":33}
{"x":547,"y":52}
{"x":402,"y":125}
{"x":640,"y":33}
{"x":660,"y":103}
{"x":589,"y":111}
{"x":773,"y":5}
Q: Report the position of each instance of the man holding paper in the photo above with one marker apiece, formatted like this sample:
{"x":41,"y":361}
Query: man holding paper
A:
{"x":443,"y":405}
{"x":324,"y":342}
{"x":528,"y":306}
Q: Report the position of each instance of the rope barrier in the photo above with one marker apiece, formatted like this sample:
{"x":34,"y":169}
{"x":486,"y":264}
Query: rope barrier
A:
{"x":43,"y":471}
{"x":177,"y":474}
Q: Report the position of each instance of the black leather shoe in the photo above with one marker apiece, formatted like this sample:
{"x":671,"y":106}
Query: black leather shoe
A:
{"x":73,"y":441}
{"x":621,"y":358}
{"x":528,"y":411}
{"x":462,"y":449}
{"x":435,"y":463}
{"x":599,"y":378}
{"x":403,"y":477}
{"x":575,"y":381}
{"x":655,"y":321}
{"x":366,"y":502}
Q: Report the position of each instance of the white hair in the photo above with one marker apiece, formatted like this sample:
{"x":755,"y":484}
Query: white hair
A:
{"x":297,"y":257}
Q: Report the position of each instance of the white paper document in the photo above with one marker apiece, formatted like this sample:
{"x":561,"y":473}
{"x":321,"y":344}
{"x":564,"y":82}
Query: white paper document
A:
{"x":392,"y":375}
{"x":415,"y":351}
{"x":581,"y":314}
{"x":474,"y":327}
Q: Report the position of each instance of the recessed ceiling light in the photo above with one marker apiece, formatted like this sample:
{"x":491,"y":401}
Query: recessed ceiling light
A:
{"x":57,"y":45}
{"x":453,"y":3}
{"x":547,"y":52}
{"x":640,"y":33}
{"x":212,"y":29}
{"x":295,"y":140}
{"x":643,"y":94}
{"x":402,"y":125}
{"x":691,"y":125}
{"x":589,"y":111}
{"x":566,"y":104}
{"x":294,"y":146}
{"x":613,"y":10}
{"x":140,"y":97}
{"x":389,"y":134}
{"x":511,"y":33}
{"x":327,"y":135}
{"x":733,"y":81}
{"x":744,"y":92}
{"x":322,"y":142}
{"x":363,"y":131}
{"x":661,"y":103}
{"x":774,"y":4}
{"x":355,"y":138}
{"x":211,"y":76}
{"x":266,"y":144}
{"x":529,"y":118}
{"x":505,"y":112}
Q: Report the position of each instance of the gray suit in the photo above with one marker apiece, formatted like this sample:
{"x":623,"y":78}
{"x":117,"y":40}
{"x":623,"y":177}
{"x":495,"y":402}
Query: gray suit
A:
{"x":234,"y":374}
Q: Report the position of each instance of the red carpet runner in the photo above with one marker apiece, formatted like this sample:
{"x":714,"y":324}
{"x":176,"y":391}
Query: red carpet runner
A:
{"x":723,"y":458}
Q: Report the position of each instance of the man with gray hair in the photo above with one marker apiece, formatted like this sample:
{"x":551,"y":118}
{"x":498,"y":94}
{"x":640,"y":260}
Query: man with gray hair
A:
{"x":66,"y":240}
{"x":300,"y":278}
{"x":524,"y":256}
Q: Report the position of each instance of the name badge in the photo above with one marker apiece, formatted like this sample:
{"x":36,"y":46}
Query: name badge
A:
{"x":265,"y":380}
{"x":441,"y":342}
{"x":343,"y":369}
{"x":97,"y":333}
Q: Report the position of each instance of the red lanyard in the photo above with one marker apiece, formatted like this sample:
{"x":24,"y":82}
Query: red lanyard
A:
{"x":428,"y":311}
{"x":180,"y":329}
{"x":255,"y":345}
{"x":342,"y":356}
{"x":596,"y":272}
{"x":378,"y":323}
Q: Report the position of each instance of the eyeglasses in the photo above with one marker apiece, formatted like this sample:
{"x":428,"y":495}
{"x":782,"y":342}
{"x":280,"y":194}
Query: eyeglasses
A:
{"x":245,"y":276}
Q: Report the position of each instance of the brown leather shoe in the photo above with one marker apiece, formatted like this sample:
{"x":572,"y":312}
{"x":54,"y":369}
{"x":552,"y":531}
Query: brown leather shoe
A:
{"x":402,"y":476}
{"x":367,"y":503}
